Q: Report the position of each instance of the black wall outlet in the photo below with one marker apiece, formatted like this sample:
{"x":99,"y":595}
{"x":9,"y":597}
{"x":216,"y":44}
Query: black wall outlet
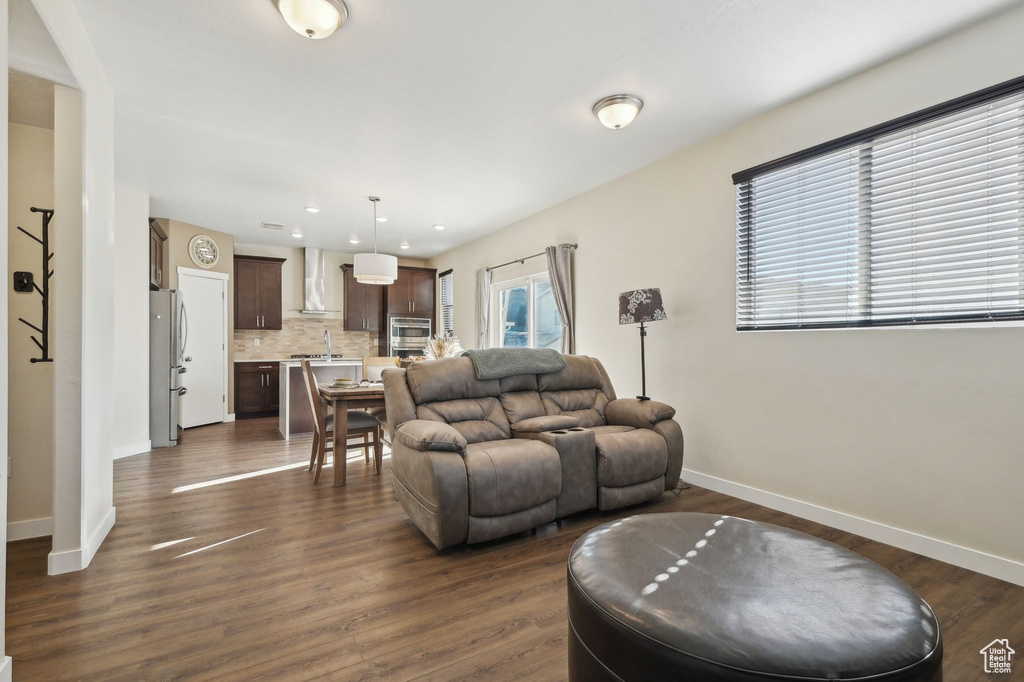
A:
{"x":23,"y":282}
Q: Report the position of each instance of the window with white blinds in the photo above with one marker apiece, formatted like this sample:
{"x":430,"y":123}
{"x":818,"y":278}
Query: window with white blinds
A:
{"x":447,"y":301}
{"x":917,"y":221}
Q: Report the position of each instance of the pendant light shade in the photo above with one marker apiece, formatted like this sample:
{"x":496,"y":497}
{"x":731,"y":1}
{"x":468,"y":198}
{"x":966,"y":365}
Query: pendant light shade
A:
{"x":375,"y":268}
{"x":316,"y":19}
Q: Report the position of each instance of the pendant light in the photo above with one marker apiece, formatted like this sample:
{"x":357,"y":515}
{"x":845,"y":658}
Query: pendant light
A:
{"x":375,"y":268}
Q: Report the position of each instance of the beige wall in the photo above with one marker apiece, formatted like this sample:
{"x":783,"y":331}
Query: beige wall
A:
{"x":178,"y":236}
{"x":919,"y":429}
{"x":30,"y":421}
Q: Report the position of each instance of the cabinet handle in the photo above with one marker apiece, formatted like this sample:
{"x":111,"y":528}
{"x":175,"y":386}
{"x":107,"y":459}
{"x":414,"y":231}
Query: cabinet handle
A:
{"x":262,"y":377}
{"x":266,"y":367}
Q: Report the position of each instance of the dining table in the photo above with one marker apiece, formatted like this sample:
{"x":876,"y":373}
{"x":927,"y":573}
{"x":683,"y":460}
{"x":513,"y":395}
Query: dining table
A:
{"x":342,"y":400}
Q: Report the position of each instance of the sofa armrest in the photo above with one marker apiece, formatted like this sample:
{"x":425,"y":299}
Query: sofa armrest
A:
{"x":641,"y":414}
{"x":552,"y":422}
{"x":430,"y":436}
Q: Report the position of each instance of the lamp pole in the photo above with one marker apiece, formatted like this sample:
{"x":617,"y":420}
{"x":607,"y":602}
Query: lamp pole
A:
{"x":643,"y":365}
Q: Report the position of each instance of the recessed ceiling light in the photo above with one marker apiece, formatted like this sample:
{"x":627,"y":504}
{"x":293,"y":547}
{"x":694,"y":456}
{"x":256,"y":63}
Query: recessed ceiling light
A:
{"x":617,"y":111}
{"x":353,"y":241}
{"x":438,"y":227}
{"x":312,"y":209}
{"x":315,"y":19}
{"x":381,"y":219}
{"x":403,"y":246}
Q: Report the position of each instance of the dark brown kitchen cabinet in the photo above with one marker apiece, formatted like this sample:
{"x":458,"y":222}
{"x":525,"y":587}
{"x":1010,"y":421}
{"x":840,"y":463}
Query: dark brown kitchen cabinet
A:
{"x":258,"y":292}
{"x":364,"y":304}
{"x":156,"y":256}
{"x":257,"y":386}
{"x":412,"y":294}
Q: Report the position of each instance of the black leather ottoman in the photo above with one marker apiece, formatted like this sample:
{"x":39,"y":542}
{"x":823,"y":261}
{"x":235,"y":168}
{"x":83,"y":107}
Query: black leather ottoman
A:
{"x":702,"y":597}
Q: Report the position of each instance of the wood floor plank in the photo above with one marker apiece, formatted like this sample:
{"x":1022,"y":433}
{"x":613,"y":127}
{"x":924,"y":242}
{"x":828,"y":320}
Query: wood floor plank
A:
{"x":226,"y":563}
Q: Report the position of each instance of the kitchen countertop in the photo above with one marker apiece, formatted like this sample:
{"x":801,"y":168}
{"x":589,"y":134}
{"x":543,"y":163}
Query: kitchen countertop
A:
{"x":313,"y":361}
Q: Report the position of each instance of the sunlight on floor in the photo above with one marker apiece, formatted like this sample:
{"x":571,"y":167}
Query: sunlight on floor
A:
{"x":350,"y":457}
{"x":217,"y":544}
{"x":238,"y":477}
{"x":161,"y":545}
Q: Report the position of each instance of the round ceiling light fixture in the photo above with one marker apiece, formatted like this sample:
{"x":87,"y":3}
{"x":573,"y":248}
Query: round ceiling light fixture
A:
{"x":297,"y":233}
{"x":438,"y":227}
{"x":403,"y":246}
{"x":375,"y":268}
{"x":312,"y":209}
{"x":617,"y":111}
{"x":353,"y":241}
{"x":316,"y":19}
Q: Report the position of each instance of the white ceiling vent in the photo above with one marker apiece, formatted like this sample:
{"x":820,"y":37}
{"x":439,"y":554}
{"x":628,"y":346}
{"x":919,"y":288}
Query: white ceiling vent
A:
{"x":272,"y":226}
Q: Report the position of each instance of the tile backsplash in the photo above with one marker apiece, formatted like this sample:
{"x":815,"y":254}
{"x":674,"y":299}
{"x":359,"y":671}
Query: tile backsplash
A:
{"x":302,"y":335}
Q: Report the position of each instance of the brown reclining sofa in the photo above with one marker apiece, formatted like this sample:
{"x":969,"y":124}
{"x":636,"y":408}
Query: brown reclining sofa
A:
{"x":476,"y":460}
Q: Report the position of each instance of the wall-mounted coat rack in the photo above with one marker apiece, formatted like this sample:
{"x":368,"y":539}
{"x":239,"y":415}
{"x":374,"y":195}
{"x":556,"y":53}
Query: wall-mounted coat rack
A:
{"x":23,"y":283}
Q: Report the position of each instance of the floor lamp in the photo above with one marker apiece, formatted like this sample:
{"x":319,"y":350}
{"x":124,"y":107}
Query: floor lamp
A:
{"x":642,"y":305}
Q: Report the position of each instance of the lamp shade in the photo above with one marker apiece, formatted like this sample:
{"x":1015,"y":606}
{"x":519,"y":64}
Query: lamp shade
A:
{"x":375,"y":268}
{"x":641,"y":305}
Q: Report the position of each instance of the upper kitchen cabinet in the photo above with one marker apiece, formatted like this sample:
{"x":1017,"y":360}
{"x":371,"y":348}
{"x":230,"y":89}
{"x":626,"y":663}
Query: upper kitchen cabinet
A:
{"x":157,"y":237}
{"x":412,"y":294}
{"x":364,"y":304}
{"x":258,"y":292}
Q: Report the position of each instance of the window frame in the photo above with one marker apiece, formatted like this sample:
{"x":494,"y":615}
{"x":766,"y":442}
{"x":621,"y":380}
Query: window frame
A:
{"x":857,"y":141}
{"x":440,"y":297}
{"x":530,"y":281}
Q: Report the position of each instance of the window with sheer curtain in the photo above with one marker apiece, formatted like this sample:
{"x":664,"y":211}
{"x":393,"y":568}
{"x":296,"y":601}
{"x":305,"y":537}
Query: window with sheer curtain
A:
{"x":525,"y":314}
{"x":917,"y":221}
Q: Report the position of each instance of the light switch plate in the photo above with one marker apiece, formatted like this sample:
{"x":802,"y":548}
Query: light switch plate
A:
{"x":255,"y":342}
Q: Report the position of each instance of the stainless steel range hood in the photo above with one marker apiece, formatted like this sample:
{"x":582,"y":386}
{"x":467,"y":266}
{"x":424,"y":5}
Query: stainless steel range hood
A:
{"x":314,"y":282}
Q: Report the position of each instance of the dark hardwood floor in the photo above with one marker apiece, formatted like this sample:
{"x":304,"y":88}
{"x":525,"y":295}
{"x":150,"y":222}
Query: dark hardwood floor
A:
{"x":226,"y":563}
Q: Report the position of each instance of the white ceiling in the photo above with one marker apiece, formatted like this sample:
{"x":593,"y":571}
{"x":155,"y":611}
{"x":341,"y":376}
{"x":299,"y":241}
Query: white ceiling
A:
{"x":29,"y":99}
{"x":468,"y":113}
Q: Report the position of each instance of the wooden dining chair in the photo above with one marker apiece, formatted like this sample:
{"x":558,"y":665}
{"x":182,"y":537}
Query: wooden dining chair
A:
{"x":360,"y":423}
{"x":372,"y":368}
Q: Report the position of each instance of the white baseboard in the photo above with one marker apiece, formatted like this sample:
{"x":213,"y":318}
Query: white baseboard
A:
{"x":972,"y":559}
{"x":230,"y":418}
{"x":77,"y":559}
{"x":134,"y":449}
{"x":6,"y":669}
{"x":32,"y":528}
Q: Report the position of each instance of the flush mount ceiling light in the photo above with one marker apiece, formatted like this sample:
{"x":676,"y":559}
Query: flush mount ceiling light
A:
{"x":312,"y":209}
{"x":381,"y":219}
{"x":438,"y":227}
{"x":297,"y":234}
{"x":375,"y":268}
{"x":617,"y":111}
{"x":316,"y":19}
{"x":403,"y":246}
{"x":353,"y":241}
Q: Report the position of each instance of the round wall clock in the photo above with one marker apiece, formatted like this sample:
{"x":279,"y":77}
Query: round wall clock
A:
{"x":203,"y":251}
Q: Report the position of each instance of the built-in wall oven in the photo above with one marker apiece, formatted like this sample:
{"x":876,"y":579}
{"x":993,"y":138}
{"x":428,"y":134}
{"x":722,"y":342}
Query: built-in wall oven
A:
{"x":407,"y":336}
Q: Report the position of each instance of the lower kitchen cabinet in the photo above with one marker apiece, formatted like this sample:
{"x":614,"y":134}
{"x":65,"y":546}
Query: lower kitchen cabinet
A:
{"x":257,"y":389}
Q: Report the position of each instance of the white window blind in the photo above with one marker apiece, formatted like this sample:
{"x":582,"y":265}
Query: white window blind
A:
{"x":448,"y":301}
{"x":912,"y":224}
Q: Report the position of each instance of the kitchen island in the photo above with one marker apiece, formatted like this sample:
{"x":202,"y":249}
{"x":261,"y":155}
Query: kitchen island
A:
{"x":295,"y":417}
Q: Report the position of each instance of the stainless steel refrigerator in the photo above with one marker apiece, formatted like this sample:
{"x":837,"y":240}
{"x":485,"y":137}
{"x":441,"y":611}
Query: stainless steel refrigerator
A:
{"x":168,"y":336}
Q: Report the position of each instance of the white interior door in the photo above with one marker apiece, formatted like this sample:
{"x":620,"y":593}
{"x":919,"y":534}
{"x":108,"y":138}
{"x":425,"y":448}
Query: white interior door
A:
{"x":204,"y":351}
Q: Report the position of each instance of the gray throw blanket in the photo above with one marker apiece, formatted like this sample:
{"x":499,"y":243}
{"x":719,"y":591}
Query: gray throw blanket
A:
{"x":498,"y":363}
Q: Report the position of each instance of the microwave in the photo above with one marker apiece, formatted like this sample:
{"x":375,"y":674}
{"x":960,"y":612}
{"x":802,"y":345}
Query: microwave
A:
{"x":408,"y":335}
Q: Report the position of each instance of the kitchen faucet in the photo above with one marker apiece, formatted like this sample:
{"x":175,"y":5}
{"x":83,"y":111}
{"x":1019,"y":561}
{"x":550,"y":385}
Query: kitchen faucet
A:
{"x":327,"y":342}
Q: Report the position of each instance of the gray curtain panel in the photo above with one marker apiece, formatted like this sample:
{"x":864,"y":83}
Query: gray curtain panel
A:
{"x":483,"y":307}
{"x":562,"y":275}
